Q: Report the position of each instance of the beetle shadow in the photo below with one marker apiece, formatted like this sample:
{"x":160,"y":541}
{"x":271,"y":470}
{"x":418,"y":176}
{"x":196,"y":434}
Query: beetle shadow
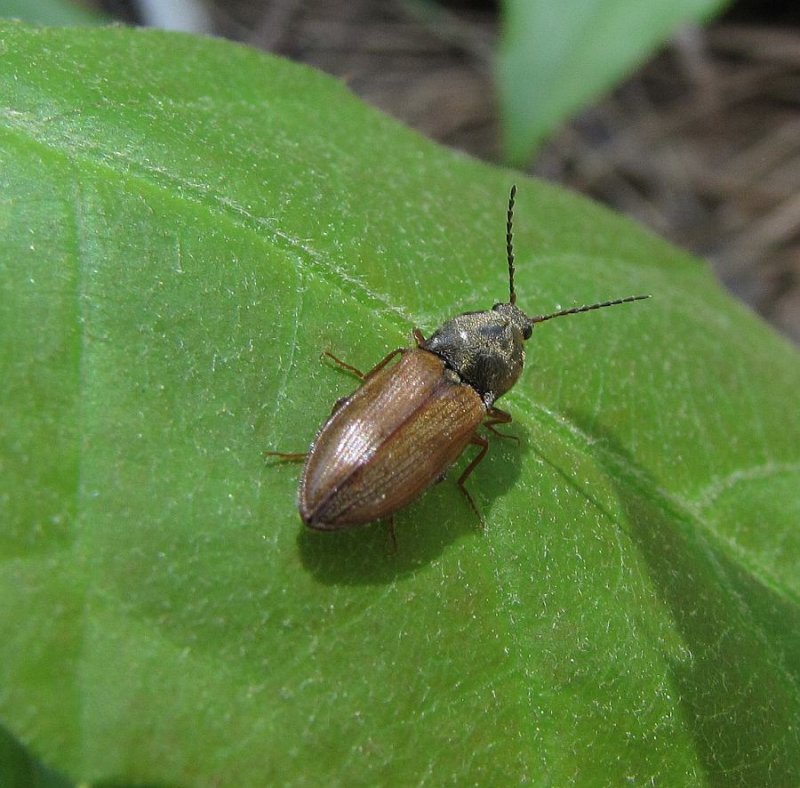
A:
{"x":366,"y":555}
{"x":734,"y":628}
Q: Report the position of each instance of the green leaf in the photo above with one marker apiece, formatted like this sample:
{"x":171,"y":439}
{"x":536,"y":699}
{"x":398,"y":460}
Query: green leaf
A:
{"x":556,"y":57}
{"x":186,"y":224}
{"x":19,"y":770}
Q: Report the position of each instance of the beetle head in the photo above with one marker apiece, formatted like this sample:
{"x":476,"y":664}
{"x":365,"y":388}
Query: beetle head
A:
{"x":486,"y":349}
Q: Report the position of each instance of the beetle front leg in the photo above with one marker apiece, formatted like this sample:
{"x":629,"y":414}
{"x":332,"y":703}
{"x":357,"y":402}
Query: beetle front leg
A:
{"x":384,"y":361}
{"x":286,"y":456}
{"x":343,"y":364}
{"x":497,"y":416}
{"x":377,"y":368}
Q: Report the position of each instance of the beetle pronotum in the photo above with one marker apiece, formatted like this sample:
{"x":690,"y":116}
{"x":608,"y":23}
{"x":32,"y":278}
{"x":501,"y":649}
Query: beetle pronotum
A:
{"x":407,"y":423}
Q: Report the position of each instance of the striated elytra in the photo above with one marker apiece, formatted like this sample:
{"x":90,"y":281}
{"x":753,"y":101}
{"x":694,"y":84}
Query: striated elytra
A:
{"x":398,"y":434}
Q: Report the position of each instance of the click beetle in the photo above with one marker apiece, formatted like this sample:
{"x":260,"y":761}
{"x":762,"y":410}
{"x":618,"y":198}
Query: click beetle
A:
{"x":408,"y":422}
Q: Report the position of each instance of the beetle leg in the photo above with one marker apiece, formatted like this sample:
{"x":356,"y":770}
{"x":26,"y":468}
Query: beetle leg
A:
{"x":477,"y":440}
{"x":377,"y":368}
{"x":287,"y":456}
{"x":338,"y":404}
{"x":357,"y":372}
{"x":419,"y":338}
{"x":497,"y":416}
{"x":383,"y":362}
{"x":392,"y":534}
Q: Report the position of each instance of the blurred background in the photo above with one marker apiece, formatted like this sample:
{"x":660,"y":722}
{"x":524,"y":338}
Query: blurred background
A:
{"x":682,"y":115}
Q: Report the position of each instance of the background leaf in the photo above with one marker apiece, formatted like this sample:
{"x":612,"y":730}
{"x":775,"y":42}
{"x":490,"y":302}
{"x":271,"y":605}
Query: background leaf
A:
{"x":49,"y":12}
{"x":556,"y":57}
{"x":186,"y":224}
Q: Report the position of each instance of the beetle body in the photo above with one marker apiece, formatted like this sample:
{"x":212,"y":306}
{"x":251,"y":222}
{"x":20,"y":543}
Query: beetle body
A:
{"x":388,"y":442}
{"x":398,"y":434}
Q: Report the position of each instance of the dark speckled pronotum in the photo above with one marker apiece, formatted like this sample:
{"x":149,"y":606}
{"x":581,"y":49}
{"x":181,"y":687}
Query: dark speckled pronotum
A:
{"x":398,"y":434}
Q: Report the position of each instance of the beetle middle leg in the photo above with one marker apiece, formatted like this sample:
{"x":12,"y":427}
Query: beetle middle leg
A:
{"x":493,"y":416}
{"x":476,"y":440}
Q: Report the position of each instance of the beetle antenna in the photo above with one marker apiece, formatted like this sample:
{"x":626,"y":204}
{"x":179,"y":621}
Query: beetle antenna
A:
{"x":512,"y":296}
{"x":588,"y":308}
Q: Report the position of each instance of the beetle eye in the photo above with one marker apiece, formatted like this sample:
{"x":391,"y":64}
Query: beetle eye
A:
{"x":527,"y":331}
{"x":494,"y":308}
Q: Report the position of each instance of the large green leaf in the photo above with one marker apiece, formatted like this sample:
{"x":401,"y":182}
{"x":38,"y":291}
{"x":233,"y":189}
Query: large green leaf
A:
{"x":556,"y":57}
{"x":186,"y":224}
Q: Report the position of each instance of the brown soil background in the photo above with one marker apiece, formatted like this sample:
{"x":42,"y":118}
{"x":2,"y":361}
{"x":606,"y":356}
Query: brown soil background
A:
{"x":701,"y":144}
